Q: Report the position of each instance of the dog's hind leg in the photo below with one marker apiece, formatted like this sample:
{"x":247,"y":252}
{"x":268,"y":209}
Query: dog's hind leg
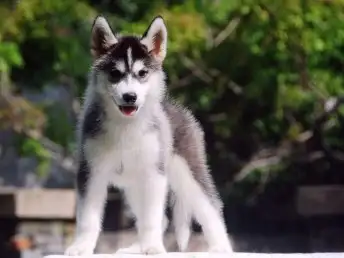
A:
{"x":182,"y":223}
{"x":194,"y":200}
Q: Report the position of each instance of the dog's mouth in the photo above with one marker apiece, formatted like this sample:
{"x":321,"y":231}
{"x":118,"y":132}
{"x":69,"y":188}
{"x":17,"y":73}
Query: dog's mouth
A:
{"x":128,"y":110}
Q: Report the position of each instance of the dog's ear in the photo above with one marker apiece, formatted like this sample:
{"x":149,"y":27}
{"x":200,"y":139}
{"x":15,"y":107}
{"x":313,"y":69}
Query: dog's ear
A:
{"x":155,"y":38}
{"x":102,"y":37}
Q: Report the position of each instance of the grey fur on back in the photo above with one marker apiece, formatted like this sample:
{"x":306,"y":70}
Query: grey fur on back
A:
{"x":188,"y":142}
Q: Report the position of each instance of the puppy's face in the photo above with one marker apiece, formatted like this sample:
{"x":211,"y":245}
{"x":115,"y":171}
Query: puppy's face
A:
{"x":129,"y":67}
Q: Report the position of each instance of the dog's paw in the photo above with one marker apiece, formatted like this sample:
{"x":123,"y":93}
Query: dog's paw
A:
{"x":133,"y":249}
{"x":79,"y":248}
{"x":225,"y":248}
{"x":153,"y":249}
{"x":142,"y":249}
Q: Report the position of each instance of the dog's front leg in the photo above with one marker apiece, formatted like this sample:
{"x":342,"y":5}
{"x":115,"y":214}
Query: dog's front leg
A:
{"x":151,"y":214}
{"x":92,"y":186}
{"x":147,"y":197}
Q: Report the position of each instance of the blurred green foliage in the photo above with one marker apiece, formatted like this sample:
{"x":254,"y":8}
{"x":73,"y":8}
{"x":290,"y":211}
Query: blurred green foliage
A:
{"x":255,"y":72}
{"x":30,"y":147}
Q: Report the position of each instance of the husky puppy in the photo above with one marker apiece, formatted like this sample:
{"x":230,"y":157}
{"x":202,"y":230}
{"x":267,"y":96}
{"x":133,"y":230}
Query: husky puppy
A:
{"x":132,"y":136}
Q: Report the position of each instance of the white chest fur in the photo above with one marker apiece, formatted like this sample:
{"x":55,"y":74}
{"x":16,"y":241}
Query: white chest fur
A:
{"x":124,"y":153}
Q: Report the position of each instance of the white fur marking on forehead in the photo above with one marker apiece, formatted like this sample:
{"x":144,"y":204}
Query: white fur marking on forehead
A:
{"x":120,"y":66}
{"x":130,"y":57}
{"x":138,"y":65}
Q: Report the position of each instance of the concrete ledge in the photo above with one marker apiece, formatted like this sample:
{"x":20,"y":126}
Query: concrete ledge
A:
{"x":40,"y":203}
{"x":320,"y":200}
{"x":37,"y":203}
{"x":208,"y":255}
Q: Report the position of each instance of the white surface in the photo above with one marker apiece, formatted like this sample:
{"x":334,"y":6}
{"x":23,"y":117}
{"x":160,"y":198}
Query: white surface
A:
{"x":208,"y":255}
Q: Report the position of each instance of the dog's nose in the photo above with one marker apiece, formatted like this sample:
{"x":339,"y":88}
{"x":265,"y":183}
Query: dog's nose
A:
{"x":129,"y":97}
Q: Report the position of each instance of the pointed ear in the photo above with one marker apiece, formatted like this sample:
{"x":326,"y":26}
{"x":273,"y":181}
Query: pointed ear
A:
{"x":102,"y":37}
{"x":155,"y":38}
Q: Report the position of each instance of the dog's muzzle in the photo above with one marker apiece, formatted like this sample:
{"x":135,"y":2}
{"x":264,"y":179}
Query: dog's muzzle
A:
{"x":129,"y":108}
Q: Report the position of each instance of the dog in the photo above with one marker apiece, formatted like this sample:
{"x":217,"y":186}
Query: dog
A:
{"x":132,"y":135}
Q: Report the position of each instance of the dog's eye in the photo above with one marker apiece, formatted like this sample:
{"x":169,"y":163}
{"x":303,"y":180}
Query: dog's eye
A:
{"x":142,"y":73}
{"x":116,"y":74}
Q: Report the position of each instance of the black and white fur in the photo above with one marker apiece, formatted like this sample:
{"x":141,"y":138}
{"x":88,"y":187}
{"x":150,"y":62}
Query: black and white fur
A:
{"x":133,"y":137}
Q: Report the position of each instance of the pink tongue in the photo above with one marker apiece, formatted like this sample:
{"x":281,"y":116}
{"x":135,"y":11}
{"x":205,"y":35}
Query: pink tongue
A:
{"x":128,"y":110}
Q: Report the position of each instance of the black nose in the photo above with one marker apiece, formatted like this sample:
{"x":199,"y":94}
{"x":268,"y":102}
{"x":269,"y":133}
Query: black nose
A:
{"x":129,"y":97}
